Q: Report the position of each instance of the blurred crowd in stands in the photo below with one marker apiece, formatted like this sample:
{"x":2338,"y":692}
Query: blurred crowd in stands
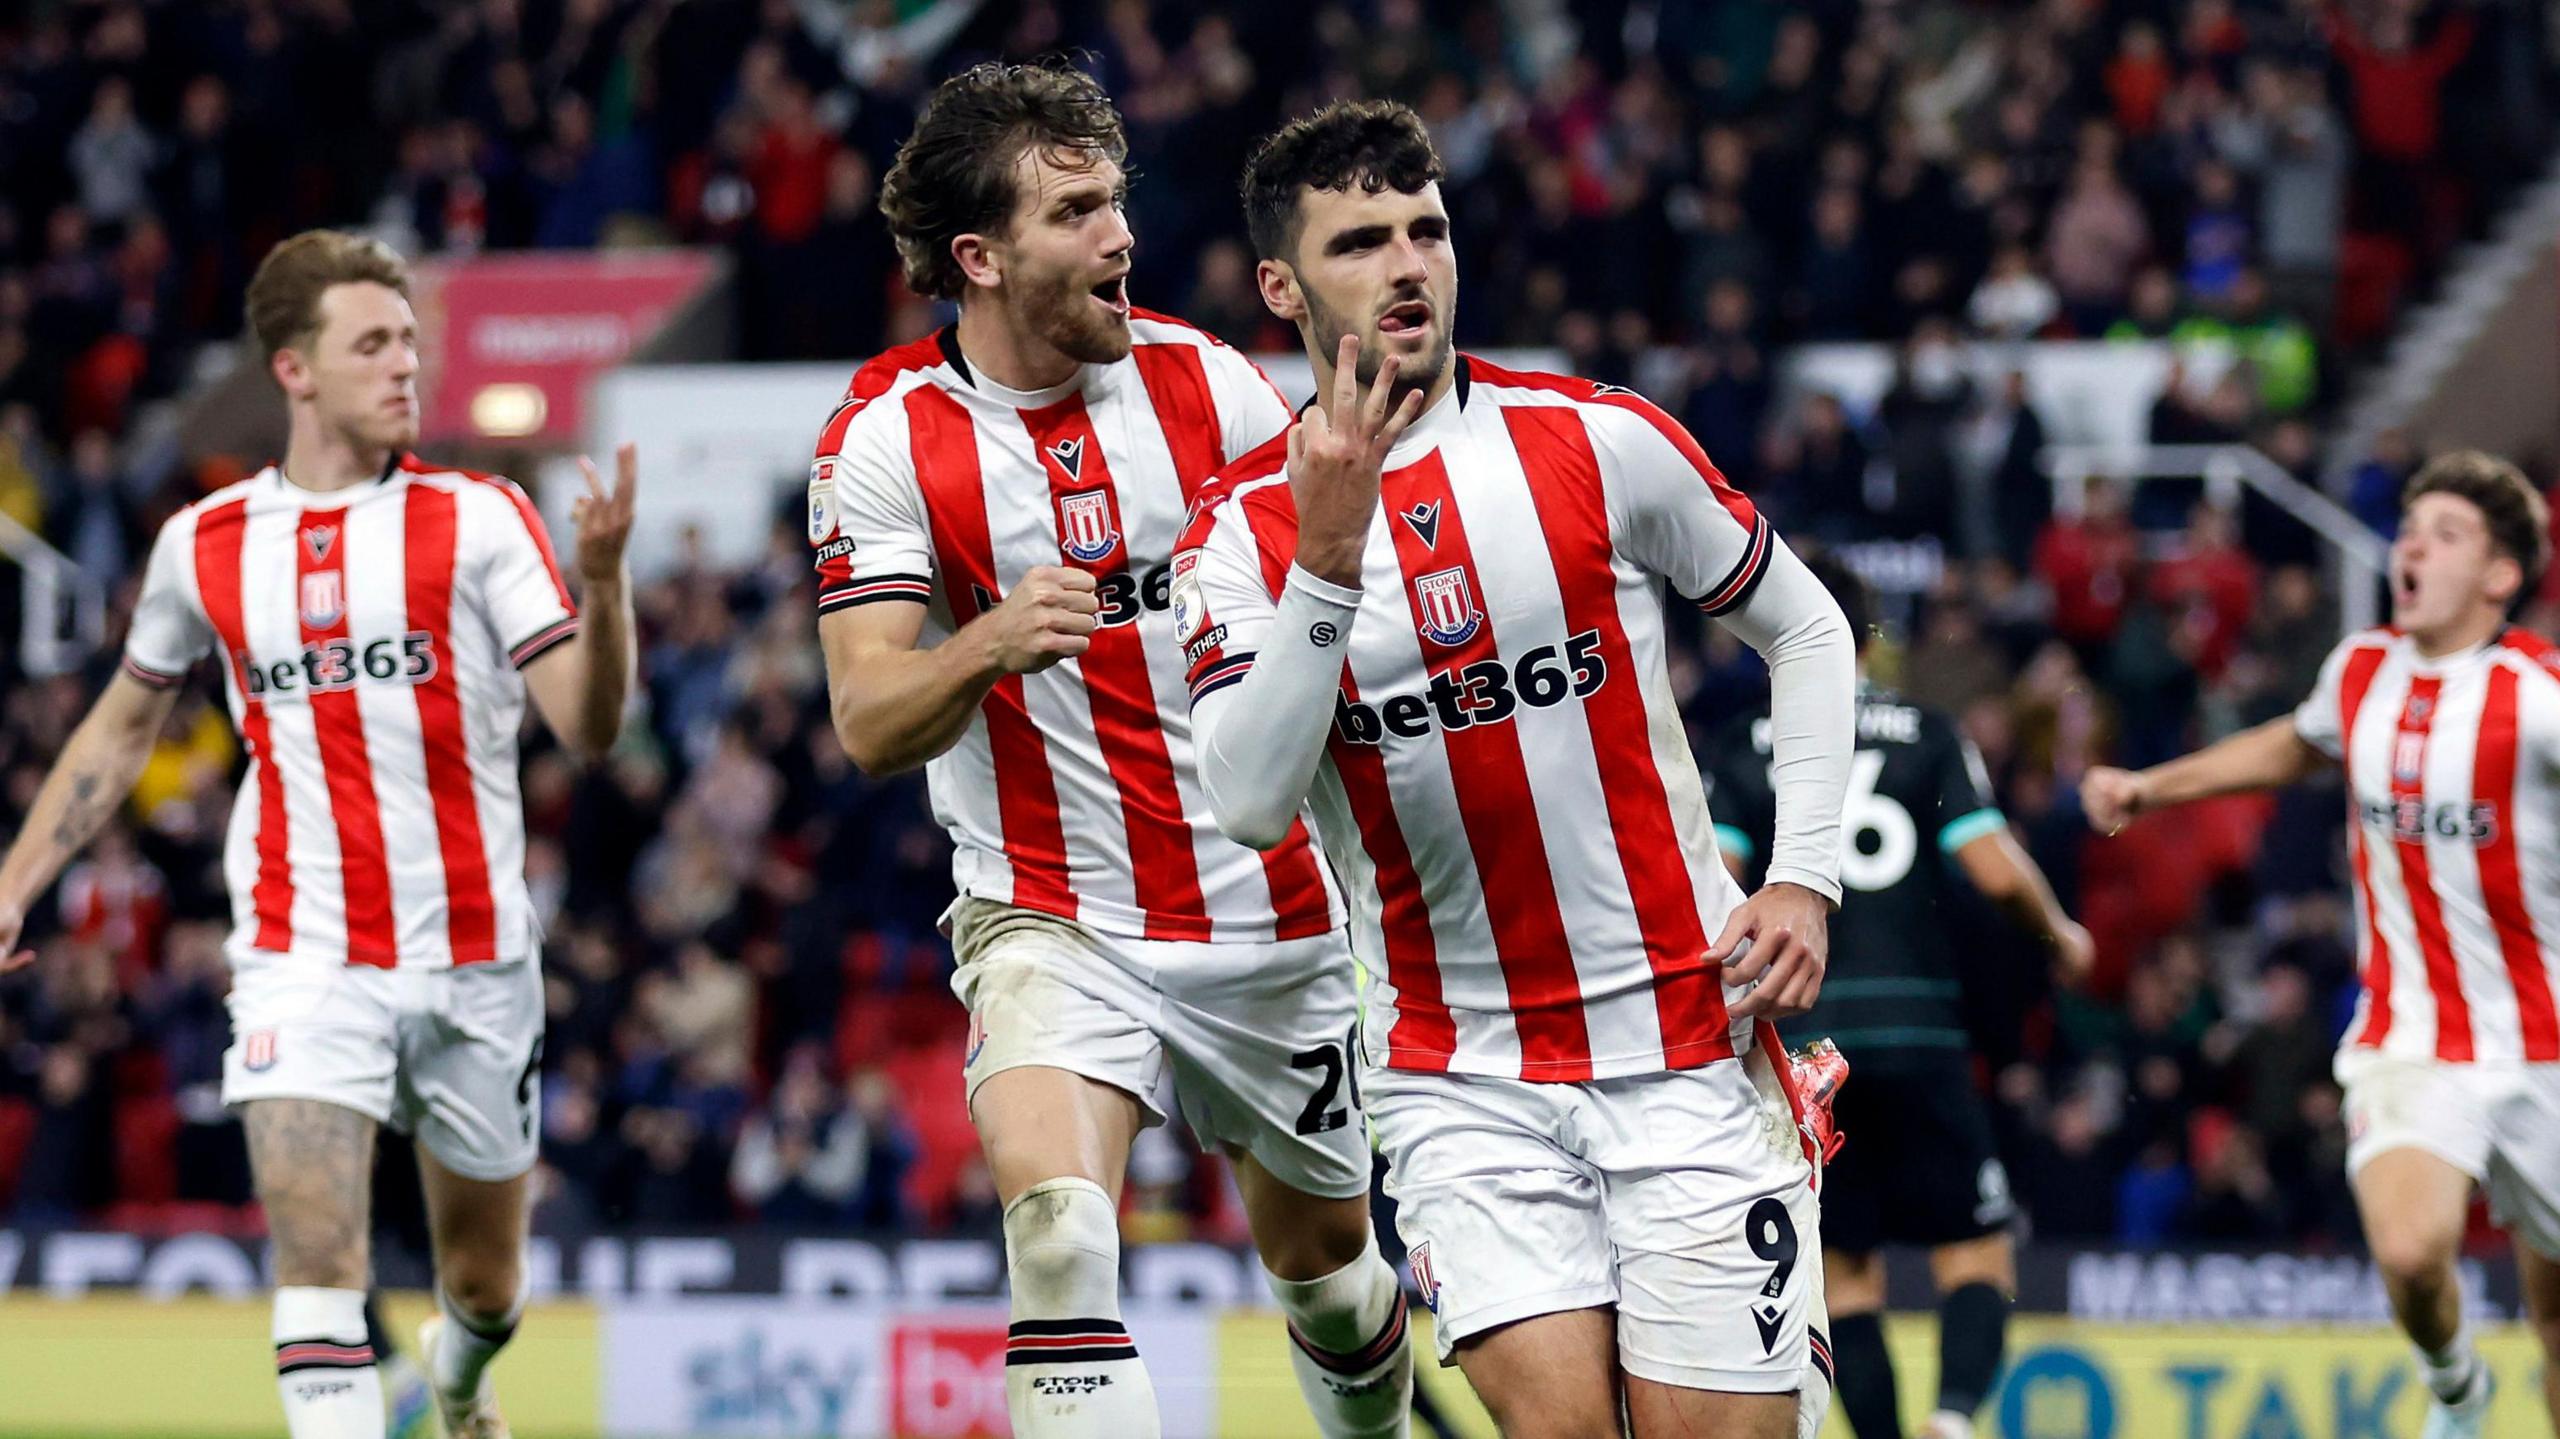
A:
{"x":749,"y":1011}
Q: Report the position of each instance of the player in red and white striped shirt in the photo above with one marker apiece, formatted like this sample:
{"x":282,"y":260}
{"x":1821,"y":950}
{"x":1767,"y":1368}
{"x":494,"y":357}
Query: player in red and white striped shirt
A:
{"x":994,"y":510}
{"x":2448,"y":725}
{"x":1460,"y":665}
{"x":379,"y":624}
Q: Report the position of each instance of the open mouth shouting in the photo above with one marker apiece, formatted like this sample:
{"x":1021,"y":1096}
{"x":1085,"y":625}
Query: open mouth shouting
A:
{"x":1113,"y":294}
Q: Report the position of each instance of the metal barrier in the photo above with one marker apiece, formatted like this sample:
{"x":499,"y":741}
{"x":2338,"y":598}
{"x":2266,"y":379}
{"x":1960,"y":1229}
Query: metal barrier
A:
{"x":64,"y":616}
{"x":2358,"y":557}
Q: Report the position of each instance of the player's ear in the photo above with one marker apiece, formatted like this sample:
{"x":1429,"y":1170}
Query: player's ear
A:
{"x":2506,"y":576}
{"x":979,"y":259}
{"x":292,"y":372}
{"x":1280,"y":293}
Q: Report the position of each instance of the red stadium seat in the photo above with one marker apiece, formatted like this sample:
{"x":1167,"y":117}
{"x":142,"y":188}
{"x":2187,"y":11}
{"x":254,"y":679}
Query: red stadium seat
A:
{"x":17,"y":1129}
{"x":147,"y":1148}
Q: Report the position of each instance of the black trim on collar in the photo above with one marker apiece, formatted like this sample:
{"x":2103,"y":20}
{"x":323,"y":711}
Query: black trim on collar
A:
{"x":1465,"y":380}
{"x":948,"y":340}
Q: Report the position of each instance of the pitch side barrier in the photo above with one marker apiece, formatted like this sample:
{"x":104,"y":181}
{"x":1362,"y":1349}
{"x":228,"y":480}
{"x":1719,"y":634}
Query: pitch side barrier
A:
{"x":2112,"y":1285}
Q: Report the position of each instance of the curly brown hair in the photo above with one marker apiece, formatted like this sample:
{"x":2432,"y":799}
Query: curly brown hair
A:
{"x":2519,"y":519}
{"x":954,"y":175}
{"x":1378,"y":145}
{"x":284,"y":296}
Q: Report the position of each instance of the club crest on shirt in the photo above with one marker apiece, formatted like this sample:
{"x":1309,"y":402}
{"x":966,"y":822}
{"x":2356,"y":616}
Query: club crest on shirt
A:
{"x":258,"y":1051}
{"x":1448,"y":606}
{"x":1085,"y":530}
{"x":324,"y":598}
{"x":2409,"y":757}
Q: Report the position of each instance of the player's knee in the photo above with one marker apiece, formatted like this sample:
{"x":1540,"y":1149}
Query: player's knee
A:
{"x":2413,"y":1257}
{"x":319,"y":1250}
{"x":484,"y":1290}
{"x":1062,"y":1246}
{"x":1330,"y":1236}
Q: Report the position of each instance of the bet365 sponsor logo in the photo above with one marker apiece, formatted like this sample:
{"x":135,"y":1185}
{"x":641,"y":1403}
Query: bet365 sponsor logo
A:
{"x":343,"y":664}
{"x":1489,"y":691}
{"x":2412,"y":818}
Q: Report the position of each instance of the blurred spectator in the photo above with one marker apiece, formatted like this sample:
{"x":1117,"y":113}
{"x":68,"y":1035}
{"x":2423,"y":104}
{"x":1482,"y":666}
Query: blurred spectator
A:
{"x":2088,"y":561}
{"x":2278,"y":349}
{"x":1916,"y":493}
{"x":2293,"y":147}
{"x":2373,"y":490}
{"x":2097,"y":234}
{"x":2013,"y":302}
{"x":112,"y":155}
{"x":2218,"y":238}
{"x":2005,"y":496}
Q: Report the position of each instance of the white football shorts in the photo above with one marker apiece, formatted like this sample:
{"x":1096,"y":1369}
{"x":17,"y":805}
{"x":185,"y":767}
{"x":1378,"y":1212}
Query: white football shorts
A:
{"x":1257,"y":1036}
{"x":453,"y":1056}
{"x":1684,"y":1199}
{"x":2498,"y":1123}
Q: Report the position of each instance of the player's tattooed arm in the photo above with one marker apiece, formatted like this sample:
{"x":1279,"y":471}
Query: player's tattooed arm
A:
{"x":314,"y":1166}
{"x":95,"y":772}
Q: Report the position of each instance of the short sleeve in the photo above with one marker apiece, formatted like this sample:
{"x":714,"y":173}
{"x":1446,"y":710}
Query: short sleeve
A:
{"x":1676,"y":514}
{"x":1250,"y":409}
{"x":521,"y":591}
{"x":1966,"y":810}
{"x":169,"y":632}
{"x":867,"y":522}
{"x":1222,"y":601}
{"x":2319,"y":719}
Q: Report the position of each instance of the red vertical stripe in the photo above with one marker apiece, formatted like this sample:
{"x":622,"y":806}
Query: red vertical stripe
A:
{"x":363,"y":863}
{"x":1423,"y":1037}
{"x":1178,"y":387}
{"x":945,"y":449}
{"x":2493,"y":782}
{"x":1297,"y":884}
{"x":1127,"y":725}
{"x":221,"y":533}
{"x":1735,"y":502}
{"x":2352,"y":687}
{"x":1564,"y":482}
{"x":2417,"y":876}
{"x":470,"y":908}
{"x":1495,"y":803}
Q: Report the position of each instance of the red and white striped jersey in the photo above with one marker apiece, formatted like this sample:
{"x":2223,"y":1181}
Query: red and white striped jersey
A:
{"x":2453,"y":797}
{"x":370,"y":640}
{"x":1508,"y":790}
{"x":1073,"y":792}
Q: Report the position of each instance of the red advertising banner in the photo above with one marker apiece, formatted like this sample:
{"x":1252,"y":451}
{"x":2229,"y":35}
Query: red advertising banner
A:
{"x":512,"y":341}
{"x":946,"y":1381}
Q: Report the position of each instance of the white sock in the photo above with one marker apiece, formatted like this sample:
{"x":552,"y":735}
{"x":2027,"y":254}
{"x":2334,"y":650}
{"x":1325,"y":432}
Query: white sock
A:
{"x":1813,"y":1393}
{"x":1070,"y":1371}
{"x":1948,"y":1424}
{"x":460,"y":1364}
{"x":324,"y":1366}
{"x":2453,"y":1370}
{"x":1351,"y":1347}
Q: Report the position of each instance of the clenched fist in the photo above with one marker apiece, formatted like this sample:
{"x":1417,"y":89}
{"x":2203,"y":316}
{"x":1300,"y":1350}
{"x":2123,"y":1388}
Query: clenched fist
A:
{"x":2111,"y":797}
{"x":1048,"y":617}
